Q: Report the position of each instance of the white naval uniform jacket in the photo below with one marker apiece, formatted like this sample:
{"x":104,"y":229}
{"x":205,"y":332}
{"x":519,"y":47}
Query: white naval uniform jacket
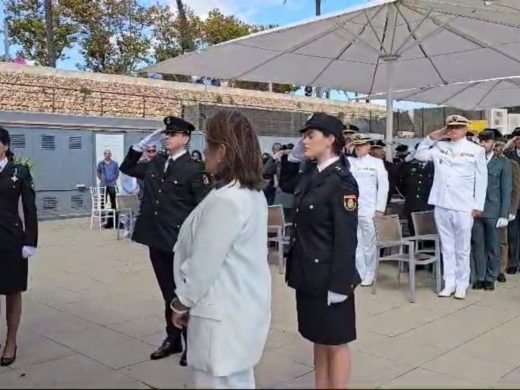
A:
{"x":460,"y":178}
{"x":222,"y":275}
{"x":372,"y":179}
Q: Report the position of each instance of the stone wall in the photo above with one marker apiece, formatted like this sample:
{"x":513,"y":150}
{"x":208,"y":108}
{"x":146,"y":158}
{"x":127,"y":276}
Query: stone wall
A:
{"x":40,"y":89}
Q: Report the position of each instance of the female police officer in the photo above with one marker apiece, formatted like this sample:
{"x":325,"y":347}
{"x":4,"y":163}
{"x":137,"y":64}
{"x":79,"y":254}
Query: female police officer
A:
{"x":321,"y":263}
{"x":16,"y":243}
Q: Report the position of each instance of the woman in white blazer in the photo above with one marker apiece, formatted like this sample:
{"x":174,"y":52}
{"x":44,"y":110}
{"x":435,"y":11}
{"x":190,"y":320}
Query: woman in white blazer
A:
{"x":221,"y":270}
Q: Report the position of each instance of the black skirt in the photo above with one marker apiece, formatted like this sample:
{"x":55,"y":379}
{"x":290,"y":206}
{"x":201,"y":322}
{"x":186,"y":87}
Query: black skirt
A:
{"x":13,"y":272}
{"x":323,"y":324}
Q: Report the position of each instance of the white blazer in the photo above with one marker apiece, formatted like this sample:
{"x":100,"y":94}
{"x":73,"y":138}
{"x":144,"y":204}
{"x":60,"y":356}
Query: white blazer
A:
{"x":460,"y":179}
{"x":372,"y":179}
{"x":221,"y":273}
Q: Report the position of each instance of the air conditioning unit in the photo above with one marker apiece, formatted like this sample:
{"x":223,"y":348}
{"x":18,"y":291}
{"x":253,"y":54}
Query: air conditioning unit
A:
{"x":497,"y":119}
{"x":405,"y":134}
{"x":513,"y":121}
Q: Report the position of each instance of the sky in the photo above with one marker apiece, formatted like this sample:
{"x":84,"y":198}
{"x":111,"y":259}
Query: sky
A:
{"x":253,"y":11}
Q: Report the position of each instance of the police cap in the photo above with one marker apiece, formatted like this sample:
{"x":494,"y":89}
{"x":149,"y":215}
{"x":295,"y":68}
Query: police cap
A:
{"x":490,"y":134}
{"x":177,"y":125}
{"x":516,"y":132}
{"x":401,"y":148}
{"x":327,"y":124}
{"x":378,"y":144}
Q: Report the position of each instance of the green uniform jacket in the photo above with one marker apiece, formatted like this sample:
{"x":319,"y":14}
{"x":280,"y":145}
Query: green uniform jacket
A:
{"x":500,"y":184}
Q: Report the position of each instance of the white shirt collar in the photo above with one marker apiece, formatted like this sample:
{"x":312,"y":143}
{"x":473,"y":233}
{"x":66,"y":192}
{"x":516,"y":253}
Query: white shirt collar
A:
{"x":179,"y":154}
{"x":489,"y":156}
{"x":327,"y":163}
{"x":3,"y":163}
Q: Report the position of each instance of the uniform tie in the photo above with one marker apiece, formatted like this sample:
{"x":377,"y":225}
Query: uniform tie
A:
{"x":169,"y":164}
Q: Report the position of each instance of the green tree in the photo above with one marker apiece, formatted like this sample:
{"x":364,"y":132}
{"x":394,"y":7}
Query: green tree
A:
{"x":114,"y":35}
{"x":27,"y":28}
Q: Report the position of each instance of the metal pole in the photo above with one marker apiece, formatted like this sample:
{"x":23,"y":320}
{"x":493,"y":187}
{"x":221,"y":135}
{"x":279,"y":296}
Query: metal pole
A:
{"x":389,"y":107}
{"x":270,"y":87}
{"x":6,"y":39}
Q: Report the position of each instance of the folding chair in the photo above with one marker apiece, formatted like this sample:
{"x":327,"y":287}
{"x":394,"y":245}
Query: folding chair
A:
{"x":277,"y":232}
{"x":389,"y":235}
{"x":127,"y":209}
{"x":98,"y":211}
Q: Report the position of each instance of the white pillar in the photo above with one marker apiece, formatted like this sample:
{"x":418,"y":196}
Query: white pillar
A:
{"x":389,"y":107}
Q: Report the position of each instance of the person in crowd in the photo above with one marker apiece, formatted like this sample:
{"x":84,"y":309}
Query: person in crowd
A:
{"x":515,"y":205}
{"x":512,"y":152}
{"x":148,"y":155}
{"x":174,"y":185}
{"x":270,"y":176}
{"x":414,"y":182}
{"x":401,"y":151}
{"x":485,"y":240}
{"x":458,"y":194}
{"x":349,"y":133}
{"x":372,"y":179}
{"x":108,"y":173}
{"x":265,"y":158}
{"x":286,"y":175}
{"x":196,"y":155}
{"x":378,"y":150}
{"x":223,"y":282}
{"x":321,"y":262}
{"x":18,"y":241}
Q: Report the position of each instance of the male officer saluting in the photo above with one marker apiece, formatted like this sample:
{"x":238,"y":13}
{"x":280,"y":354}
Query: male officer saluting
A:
{"x":458,"y":194}
{"x":485,"y":240}
{"x":174,"y":185}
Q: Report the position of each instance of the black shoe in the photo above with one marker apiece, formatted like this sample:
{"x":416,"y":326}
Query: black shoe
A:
{"x":478,"y":285}
{"x":489,"y":286}
{"x":501,"y":278}
{"x":166,"y":349}
{"x":184,"y":360}
{"x":7,"y":361}
{"x":511,"y":270}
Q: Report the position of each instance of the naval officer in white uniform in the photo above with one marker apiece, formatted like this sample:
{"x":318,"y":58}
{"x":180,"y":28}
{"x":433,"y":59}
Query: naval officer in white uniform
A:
{"x":372,"y":179}
{"x":458,"y":194}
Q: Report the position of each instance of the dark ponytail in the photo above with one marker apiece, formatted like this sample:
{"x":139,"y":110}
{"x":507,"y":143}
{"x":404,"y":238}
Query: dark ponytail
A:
{"x":6,"y":140}
{"x":9,"y":155}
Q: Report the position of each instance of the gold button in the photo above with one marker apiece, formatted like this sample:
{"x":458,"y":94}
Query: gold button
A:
{"x":157,"y":202}
{"x":316,"y":260}
{"x":311,"y":206}
{"x":156,"y":213}
{"x":175,"y":182}
{"x":160,"y":191}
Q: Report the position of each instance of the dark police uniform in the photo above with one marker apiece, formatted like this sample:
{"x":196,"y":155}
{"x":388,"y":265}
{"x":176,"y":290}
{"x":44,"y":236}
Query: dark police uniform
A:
{"x":169,"y":197}
{"x":415,"y":181}
{"x":322,"y":252}
{"x":16,"y":182}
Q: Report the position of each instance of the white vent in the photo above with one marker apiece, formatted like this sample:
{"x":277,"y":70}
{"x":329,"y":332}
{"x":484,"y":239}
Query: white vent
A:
{"x":50,"y":203}
{"x":18,"y":141}
{"x":48,"y":142}
{"x":75,"y":143}
{"x":77,"y":202}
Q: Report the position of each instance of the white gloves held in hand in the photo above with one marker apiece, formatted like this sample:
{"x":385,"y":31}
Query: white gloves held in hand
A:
{"x":149,"y":139}
{"x":28,"y":251}
{"x":333,"y":297}
{"x":502,"y":222}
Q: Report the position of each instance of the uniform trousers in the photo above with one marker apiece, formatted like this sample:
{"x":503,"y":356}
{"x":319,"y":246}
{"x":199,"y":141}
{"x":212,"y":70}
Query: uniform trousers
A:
{"x":366,"y":248}
{"x":513,"y":237}
{"x":162,"y":263}
{"x":455,"y":233}
{"x":485,"y":249}
{"x":504,"y":248}
{"x":240,"y":380}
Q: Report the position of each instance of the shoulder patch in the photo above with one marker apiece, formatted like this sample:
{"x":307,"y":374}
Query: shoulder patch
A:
{"x":350,"y":202}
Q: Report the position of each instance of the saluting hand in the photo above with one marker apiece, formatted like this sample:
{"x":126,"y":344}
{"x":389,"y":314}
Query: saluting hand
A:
{"x":438,"y":134}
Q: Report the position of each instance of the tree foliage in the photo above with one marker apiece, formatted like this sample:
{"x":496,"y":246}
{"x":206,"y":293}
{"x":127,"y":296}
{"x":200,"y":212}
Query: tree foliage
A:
{"x":121,"y":36}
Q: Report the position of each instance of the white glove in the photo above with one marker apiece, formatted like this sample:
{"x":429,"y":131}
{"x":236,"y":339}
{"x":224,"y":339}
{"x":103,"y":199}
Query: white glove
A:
{"x":298,"y":152}
{"x":502,"y":222}
{"x":333,"y":297}
{"x":511,"y":217}
{"x":149,"y":139}
{"x":28,"y":251}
